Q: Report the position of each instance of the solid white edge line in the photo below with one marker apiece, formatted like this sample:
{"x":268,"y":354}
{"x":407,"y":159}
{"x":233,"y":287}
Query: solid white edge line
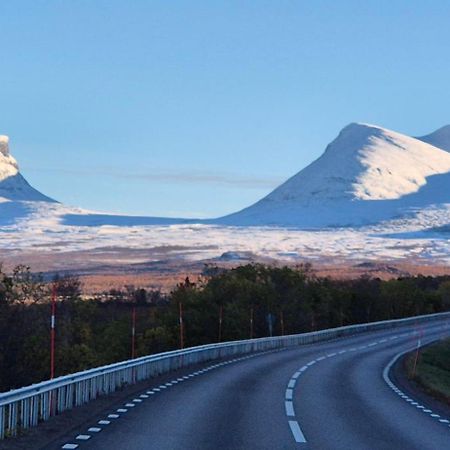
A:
{"x":296,"y":431}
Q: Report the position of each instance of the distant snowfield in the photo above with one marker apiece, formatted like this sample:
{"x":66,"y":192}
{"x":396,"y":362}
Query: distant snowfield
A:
{"x":374,"y":194}
{"x":417,"y":238}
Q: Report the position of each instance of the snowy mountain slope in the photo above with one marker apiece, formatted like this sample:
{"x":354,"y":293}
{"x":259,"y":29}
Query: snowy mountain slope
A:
{"x":398,"y":185}
{"x":13,"y":186}
{"x":366,"y":175}
{"x":440,"y":138}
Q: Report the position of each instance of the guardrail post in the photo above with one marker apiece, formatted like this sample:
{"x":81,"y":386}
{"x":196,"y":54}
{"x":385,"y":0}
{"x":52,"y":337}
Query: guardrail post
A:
{"x":2,"y":422}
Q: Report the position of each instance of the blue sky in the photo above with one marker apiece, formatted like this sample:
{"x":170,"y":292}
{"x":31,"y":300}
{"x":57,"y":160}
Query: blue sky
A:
{"x":199,"y":108}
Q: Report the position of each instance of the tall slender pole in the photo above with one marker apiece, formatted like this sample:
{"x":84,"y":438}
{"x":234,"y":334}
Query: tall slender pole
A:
{"x":133,"y":332}
{"x":220,"y":323}
{"x":181,"y":325}
{"x":52,"y":333}
{"x":282,"y":323}
{"x":251,"y":323}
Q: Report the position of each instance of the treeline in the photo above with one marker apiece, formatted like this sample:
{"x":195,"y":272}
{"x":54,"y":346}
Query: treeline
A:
{"x":248,"y":301}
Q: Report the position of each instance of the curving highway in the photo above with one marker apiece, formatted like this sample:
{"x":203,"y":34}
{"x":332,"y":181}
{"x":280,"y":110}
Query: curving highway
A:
{"x":332,"y":395}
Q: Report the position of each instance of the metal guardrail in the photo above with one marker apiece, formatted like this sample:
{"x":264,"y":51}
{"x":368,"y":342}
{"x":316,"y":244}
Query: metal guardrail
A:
{"x":26,"y":407}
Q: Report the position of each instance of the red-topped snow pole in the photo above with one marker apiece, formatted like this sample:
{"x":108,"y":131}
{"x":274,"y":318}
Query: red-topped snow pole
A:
{"x":220,"y":323}
{"x":133,"y":332}
{"x":181,"y":325}
{"x":52,"y":333}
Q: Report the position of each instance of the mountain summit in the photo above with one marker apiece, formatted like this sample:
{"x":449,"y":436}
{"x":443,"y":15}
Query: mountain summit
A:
{"x":366,"y":174}
{"x":13,"y":186}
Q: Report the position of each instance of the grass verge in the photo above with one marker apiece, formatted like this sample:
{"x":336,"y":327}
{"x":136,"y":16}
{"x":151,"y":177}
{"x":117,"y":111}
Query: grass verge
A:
{"x":432,"y":372}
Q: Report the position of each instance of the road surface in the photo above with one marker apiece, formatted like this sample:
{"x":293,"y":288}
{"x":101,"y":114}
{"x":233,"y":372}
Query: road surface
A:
{"x":331,"y":395}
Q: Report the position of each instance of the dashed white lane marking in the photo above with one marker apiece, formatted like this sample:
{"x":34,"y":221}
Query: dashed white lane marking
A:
{"x":289,"y":408}
{"x":296,"y":431}
{"x":83,"y":437}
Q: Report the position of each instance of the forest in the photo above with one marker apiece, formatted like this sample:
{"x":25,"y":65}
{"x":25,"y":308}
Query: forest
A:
{"x":245,"y":302}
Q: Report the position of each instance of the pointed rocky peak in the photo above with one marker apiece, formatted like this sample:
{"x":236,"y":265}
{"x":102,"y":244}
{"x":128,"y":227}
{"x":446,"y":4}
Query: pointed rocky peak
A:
{"x":4,"y":145}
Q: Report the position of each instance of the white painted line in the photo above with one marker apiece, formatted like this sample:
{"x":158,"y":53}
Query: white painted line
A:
{"x":291,"y":383}
{"x":296,"y":375}
{"x":436,"y":416}
{"x":162,"y":387}
{"x":143,"y":396}
{"x":156,"y":389}
{"x":340,"y":353}
{"x":311,"y":363}
{"x":321,"y":358}
{"x":330,"y":355}
{"x":104,"y":422}
{"x":302,"y":369}
{"x":113,"y":416}
{"x":168,"y":384}
{"x":130,"y":405}
{"x":94,"y":430}
{"x":174,"y":381}
{"x":137,"y":400}
{"x":289,"y":409}
{"x":70,"y":446}
{"x":122,"y":410}
{"x":180,"y":379}
{"x":83,"y":437}
{"x":289,"y":394}
{"x":444,"y":421}
{"x":296,"y":431}
{"x":427,"y":411}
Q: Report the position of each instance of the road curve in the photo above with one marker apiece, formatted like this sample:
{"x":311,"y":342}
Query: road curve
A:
{"x":329,"y":395}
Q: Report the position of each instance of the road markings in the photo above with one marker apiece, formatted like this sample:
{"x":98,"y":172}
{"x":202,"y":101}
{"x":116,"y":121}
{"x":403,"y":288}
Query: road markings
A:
{"x":94,"y":430}
{"x":289,"y":394}
{"x":83,"y":437}
{"x":296,"y":431}
{"x":395,"y":389}
{"x":70,"y":446}
{"x":289,"y":408}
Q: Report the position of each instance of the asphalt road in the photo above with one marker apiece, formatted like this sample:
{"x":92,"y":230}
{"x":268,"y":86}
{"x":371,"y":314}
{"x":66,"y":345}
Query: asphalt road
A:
{"x":330,"y":395}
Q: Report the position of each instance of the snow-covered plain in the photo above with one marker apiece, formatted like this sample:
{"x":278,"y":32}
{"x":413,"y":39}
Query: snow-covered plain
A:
{"x":373,"y":195}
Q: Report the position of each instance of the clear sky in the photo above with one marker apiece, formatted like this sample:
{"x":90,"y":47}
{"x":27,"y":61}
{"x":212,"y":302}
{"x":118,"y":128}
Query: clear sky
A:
{"x":199,"y":108}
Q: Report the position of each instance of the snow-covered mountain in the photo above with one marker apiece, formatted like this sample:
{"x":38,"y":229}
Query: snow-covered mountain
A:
{"x":13,"y":186}
{"x":387,"y":196}
{"x":366,"y":175}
